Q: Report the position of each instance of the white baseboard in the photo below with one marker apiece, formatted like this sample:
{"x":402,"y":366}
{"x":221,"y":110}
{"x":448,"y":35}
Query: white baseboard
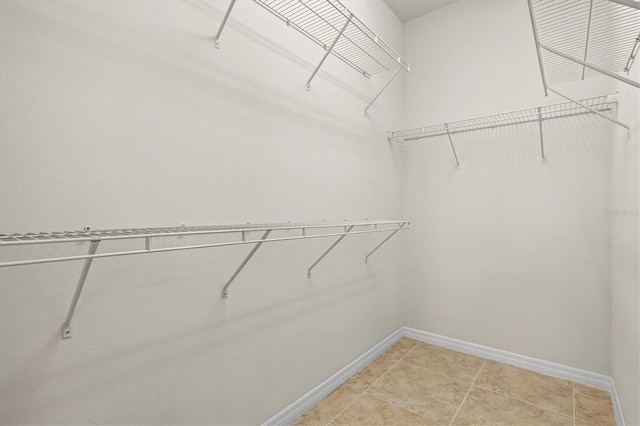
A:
{"x":299,"y":407}
{"x":617,"y":408}
{"x":553,"y":369}
{"x":585,"y":377}
{"x":307,"y":401}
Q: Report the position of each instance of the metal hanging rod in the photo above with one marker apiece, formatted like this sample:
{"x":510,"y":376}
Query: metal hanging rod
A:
{"x":307,"y":230}
{"x":598,"y":105}
{"x":330,"y":25}
{"x":585,"y":38}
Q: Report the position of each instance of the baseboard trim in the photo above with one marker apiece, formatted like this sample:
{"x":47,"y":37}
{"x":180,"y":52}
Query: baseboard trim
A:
{"x":617,"y":407}
{"x":299,"y":407}
{"x":553,"y":369}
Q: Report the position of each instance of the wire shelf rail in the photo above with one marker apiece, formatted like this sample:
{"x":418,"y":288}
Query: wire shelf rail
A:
{"x":600,"y":105}
{"x":330,"y":25}
{"x":245,"y":232}
{"x":578,"y":39}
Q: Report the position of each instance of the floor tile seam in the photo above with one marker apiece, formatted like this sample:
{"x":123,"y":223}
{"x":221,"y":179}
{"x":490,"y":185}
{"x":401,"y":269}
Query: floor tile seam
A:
{"x":369,"y":387}
{"x":467,"y":394}
{"x":525,"y":402}
{"x":437,"y":371}
{"x":573,"y":400}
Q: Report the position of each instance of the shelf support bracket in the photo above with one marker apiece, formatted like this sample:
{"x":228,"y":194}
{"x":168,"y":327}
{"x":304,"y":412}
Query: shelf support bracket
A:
{"x":253,"y":251}
{"x":216,"y":39}
{"x":326,"y":53}
{"x":328,"y":250}
{"x":586,"y":46}
{"x":383,"y":89}
{"x":593,"y":67}
{"x":593,"y":111}
{"x":366,"y":258}
{"x":453,"y":148}
{"x":537,"y":41}
{"x":544,"y":160}
{"x":66,"y":326}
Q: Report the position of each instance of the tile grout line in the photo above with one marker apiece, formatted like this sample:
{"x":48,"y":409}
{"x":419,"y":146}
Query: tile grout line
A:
{"x":525,"y":402}
{"x":468,"y":392}
{"x":573,"y":399}
{"x":374,"y":382}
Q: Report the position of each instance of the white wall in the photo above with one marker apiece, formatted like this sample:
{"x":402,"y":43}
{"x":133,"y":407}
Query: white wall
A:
{"x":506,"y":252}
{"x":625,"y":279}
{"x":122,"y":114}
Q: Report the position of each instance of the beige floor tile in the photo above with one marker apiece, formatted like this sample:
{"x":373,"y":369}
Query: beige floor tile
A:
{"x":387,"y":360}
{"x":593,"y":406}
{"x":369,"y":410}
{"x":432,"y":396}
{"x":483,"y":407}
{"x":445,"y":361}
{"x":330,"y":407}
{"x":528,"y":386}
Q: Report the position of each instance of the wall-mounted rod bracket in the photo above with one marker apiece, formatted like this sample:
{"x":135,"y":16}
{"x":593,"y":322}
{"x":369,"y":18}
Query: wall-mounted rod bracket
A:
{"x":586,"y":45}
{"x":328,"y":50}
{"x":453,"y":148}
{"x":216,"y":39}
{"x":544,"y":160}
{"x":593,"y":111}
{"x":366,"y":258}
{"x":66,"y":326}
{"x":593,"y":67}
{"x":225,"y":292}
{"x":537,"y":41}
{"x":382,"y":90}
{"x":328,"y":250}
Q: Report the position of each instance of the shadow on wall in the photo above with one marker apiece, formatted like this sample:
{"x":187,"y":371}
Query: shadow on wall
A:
{"x":180,"y":346}
{"x":162,"y":60}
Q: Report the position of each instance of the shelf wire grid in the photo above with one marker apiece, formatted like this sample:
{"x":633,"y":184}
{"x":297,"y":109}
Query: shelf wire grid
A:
{"x":599,"y":32}
{"x":132,"y":233}
{"x":322,"y":20}
{"x":527,"y":115}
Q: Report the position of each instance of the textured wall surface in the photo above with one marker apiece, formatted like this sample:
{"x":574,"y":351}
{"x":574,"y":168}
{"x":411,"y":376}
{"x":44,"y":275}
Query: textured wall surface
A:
{"x":123,"y":114}
{"x":505,"y":252}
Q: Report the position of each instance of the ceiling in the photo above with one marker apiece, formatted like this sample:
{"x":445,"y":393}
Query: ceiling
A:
{"x":407,"y":10}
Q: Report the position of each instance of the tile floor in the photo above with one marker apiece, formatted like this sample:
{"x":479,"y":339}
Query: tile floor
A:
{"x":415,"y":383}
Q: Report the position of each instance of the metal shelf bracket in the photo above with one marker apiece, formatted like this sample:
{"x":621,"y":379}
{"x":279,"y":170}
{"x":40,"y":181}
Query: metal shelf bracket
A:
{"x":453,"y":148}
{"x":216,"y":39}
{"x":543,"y":160}
{"x":225,"y":292}
{"x":366,"y":258}
{"x":382,"y":90}
{"x":619,"y":123}
{"x":328,"y":50}
{"x":328,"y":250}
{"x":66,"y":326}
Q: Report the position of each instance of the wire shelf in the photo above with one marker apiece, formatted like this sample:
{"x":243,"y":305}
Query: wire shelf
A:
{"x":603,"y":33}
{"x":527,"y":115}
{"x":95,"y":238}
{"x":148,"y":233}
{"x":322,"y":20}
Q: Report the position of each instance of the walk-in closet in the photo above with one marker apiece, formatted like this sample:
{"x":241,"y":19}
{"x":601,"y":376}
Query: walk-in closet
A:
{"x":314,"y":212}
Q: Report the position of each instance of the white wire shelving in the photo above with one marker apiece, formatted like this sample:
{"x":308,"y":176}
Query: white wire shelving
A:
{"x":600,"y":105}
{"x":330,"y":25}
{"x":578,"y":39}
{"x":256,"y":234}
